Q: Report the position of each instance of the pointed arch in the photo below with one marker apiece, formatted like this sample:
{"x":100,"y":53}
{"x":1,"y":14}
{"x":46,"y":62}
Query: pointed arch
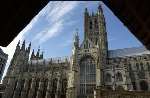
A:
{"x":108,"y":77}
{"x":143,"y":85}
{"x":148,"y":66}
{"x":63,"y":88}
{"x":45,"y":87}
{"x":87,"y":56}
{"x":142,"y":67}
{"x":119,"y":77}
{"x":137,"y":66}
{"x":87,"y":75}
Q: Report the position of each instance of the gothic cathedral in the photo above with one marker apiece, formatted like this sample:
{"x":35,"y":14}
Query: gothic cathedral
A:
{"x":90,"y":67}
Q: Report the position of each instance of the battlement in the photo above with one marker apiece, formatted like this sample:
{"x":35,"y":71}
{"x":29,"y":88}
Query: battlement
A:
{"x":51,"y":60}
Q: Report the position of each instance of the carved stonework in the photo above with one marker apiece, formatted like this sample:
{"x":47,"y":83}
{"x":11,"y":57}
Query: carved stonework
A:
{"x":92,"y":71}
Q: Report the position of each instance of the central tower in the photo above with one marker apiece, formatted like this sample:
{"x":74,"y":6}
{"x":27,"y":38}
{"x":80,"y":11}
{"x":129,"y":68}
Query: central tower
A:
{"x":90,"y":57}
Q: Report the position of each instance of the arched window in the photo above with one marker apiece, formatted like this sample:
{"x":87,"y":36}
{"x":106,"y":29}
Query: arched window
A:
{"x":63,"y":88}
{"x":29,"y":85}
{"x":134,"y":85}
{"x":142,"y":67}
{"x":87,"y":75}
{"x":54,"y":87}
{"x":95,"y":23}
{"x":129,"y":67}
{"x":148,"y":66}
{"x":119,"y":77}
{"x":108,"y":77}
{"x":91,"y":24}
{"x":96,"y":41}
{"x":45,"y":88}
{"x":137,"y":66}
{"x":21,"y":87}
{"x":36,"y":87}
{"x":144,"y":85}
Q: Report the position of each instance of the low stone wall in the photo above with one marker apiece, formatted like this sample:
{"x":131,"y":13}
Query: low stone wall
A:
{"x":120,"y":94}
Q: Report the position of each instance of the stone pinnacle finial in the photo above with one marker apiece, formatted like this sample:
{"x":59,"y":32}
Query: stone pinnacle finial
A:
{"x":18,"y":42}
{"x":32,"y":55}
{"x":100,"y":6}
{"x":86,"y":10}
{"x":77,"y":30}
{"x":38,"y":52}
{"x":30,"y":44}
{"x":33,"y":51}
{"x":23,"y":45}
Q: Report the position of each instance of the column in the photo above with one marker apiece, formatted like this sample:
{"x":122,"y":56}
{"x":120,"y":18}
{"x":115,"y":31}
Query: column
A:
{"x":40,"y":89}
{"x":25,"y":89}
{"x":32,"y":89}
{"x":9,"y":88}
{"x":49,"y":89}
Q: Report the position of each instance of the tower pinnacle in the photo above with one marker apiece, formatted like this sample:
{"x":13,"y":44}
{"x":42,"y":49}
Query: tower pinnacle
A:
{"x":23,"y":45}
{"x":100,"y":7}
{"x":29,"y":47}
{"x":38,"y":52}
{"x":76,"y":39}
{"x":18,"y":43}
{"x":18,"y":46}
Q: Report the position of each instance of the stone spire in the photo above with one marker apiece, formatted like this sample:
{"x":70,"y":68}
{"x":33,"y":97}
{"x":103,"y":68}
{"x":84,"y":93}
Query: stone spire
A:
{"x":29,"y":47}
{"x":76,"y":39}
{"x":16,"y":53}
{"x":41,"y":55}
{"x":18,"y":43}
{"x":86,"y":11}
{"x":32,"y":55}
{"x":38,"y":53}
{"x":23,"y":46}
{"x":100,"y":7}
{"x":18,"y":46}
{"x":86,"y":20}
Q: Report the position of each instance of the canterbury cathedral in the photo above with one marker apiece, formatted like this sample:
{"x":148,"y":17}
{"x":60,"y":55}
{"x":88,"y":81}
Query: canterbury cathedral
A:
{"x":91,"y":66}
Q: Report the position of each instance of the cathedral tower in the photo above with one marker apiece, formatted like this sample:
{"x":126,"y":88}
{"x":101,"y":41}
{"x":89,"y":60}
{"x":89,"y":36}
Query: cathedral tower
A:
{"x":92,"y":54}
{"x":95,"y":32}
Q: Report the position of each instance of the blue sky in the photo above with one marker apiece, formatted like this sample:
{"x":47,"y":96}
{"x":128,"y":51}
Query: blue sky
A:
{"x":52,"y":29}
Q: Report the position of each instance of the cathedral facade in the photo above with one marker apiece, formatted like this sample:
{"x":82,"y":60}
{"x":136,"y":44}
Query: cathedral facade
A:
{"x":90,"y":67}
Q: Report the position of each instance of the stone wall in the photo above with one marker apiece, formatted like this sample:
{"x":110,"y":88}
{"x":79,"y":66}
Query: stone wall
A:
{"x":120,"y":94}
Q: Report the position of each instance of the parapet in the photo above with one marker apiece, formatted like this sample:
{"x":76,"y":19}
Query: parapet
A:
{"x":51,"y":60}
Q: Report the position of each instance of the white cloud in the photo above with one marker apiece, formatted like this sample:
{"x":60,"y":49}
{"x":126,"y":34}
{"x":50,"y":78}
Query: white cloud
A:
{"x":67,"y":43}
{"x":61,"y":10}
{"x":52,"y":32}
{"x":54,"y":14}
